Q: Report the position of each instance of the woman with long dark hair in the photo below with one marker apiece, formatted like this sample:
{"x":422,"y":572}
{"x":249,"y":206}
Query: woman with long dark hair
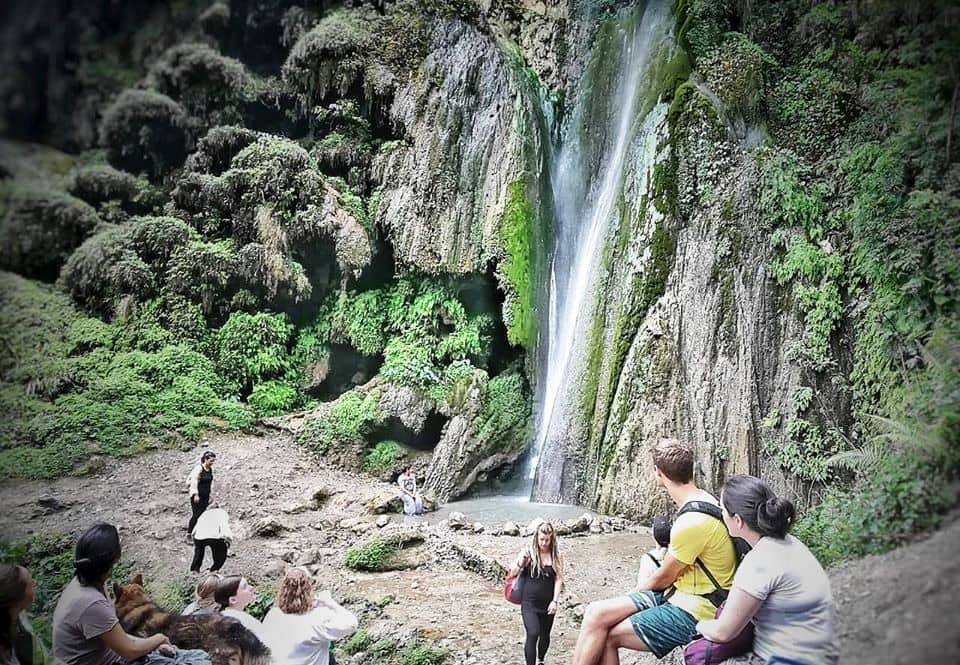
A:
{"x":231,"y":598}
{"x":199,"y":483}
{"x":17,"y":591}
{"x":779,"y":585}
{"x":86,"y":630}
{"x":541,"y":566}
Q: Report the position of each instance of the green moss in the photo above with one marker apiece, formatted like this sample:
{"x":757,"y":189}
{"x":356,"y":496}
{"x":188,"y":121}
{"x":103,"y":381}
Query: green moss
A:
{"x":516,"y":237}
{"x":349,"y":420}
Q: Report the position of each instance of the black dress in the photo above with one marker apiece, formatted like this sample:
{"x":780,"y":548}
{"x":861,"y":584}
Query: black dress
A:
{"x":534,"y":600}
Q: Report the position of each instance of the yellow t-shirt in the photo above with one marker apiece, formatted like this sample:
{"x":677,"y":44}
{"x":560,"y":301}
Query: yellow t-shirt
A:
{"x":695,"y":535}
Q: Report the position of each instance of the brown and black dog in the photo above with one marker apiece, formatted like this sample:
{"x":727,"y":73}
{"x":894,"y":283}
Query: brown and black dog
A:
{"x":226,"y":640}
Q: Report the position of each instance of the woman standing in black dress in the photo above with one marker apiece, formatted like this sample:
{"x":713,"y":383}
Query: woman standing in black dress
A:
{"x":542,"y":570}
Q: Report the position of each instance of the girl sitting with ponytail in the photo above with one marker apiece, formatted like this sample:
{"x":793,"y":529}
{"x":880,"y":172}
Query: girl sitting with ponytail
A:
{"x":779,"y":585}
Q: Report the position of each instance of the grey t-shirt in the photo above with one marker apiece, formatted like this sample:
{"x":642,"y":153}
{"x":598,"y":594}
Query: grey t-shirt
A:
{"x":82,"y":615}
{"x":796,"y":617}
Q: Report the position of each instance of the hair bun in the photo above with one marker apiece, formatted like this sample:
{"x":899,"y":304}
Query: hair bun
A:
{"x":775,"y":516}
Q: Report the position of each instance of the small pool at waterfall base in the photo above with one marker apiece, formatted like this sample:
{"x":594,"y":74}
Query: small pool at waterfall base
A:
{"x":497,"y":509}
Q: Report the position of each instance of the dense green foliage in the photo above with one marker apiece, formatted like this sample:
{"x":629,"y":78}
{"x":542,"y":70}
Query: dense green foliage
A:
{"x":516,"y":234}
{"x":859,"y":191}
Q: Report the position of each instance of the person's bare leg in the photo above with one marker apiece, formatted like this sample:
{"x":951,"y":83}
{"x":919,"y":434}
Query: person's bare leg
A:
{"x":600,"y":617}
{"x":621,"y":636}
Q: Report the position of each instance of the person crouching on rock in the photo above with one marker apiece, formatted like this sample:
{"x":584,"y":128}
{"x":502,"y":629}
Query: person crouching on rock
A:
{"x":412,"y":501}
{"x":211,"y":530}
{"x":541,"y":566}
{"x":200,"y":482}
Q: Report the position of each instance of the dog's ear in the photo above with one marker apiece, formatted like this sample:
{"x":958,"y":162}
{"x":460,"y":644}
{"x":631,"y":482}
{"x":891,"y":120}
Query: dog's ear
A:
{"x":137,"y":579}
{"x":117,"y":591}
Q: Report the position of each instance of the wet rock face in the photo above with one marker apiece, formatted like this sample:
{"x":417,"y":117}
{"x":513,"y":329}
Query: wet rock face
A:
{"x":709,"y":357}
{"x":445,"y":189}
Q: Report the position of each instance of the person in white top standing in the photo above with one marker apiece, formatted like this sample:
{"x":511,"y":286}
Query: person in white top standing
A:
{"x":212,"y":530}
{"x":779,"y":585}
{"x":301,"y":624}
{"x":199,"y":483}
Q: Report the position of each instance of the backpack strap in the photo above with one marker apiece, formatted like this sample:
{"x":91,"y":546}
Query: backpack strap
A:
{"x":714,"y":511}
{"x":654,"y":559}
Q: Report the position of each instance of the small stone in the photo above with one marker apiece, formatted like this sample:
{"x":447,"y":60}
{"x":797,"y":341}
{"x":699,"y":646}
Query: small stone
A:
{"x":383,"y":521}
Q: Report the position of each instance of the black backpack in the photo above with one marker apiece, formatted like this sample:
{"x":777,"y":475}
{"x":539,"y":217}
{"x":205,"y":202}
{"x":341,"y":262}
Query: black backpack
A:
{"x":740,"y":547}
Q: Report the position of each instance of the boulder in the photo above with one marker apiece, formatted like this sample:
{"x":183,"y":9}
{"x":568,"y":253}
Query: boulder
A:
{"x":384,"y":502}
{"x":457,"y":521}
{"x":510,"y":529}
{"x":269,"y":527}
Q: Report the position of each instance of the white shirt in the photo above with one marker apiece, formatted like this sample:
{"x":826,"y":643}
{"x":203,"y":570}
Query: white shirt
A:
{"x":193,"y":479}
{"x":304,"y":639}
{"x":796,"y":617}
{"x":213,"y":523}
{"x":249,"y":622}
{"x":647,"y":565}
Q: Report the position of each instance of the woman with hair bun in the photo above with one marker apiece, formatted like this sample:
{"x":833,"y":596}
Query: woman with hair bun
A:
{"x":779,"y":585}
{"x":86,"y":630}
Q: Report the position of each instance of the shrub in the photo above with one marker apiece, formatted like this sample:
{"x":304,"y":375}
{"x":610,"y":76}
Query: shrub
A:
{"x":371,"y":556}
{"x":218,"y":147}
{"x":504,"y":421}
{"x":41,"y":228}
{"x":252,"y":347}
{"x":273,"y":398}
{"x":205,"y":273}
{"x":330,"y":58}
{"x":383,"y":457}
{"x":208,"y":84}
{"x":99,"y":183}
{"x":145,"y":131}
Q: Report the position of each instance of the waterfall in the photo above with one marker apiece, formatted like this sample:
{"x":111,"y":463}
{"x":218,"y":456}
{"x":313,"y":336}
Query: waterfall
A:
{"x":586,"y":173}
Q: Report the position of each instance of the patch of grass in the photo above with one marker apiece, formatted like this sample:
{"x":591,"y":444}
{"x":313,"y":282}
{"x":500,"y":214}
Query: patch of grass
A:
{"x":359,"y":641}
{"x":371,"y":556}
{"x":420,"y":653}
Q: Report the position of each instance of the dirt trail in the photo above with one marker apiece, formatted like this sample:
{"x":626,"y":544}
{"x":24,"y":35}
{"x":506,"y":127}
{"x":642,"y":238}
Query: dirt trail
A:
{"x":883,"y":618}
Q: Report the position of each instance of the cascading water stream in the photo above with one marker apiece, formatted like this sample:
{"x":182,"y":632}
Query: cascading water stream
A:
{"x":586,"y":180}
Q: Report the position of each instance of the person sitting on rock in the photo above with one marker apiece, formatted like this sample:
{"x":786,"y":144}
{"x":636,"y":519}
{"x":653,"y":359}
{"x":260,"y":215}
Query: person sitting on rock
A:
{"x":689,"y":585}
{"x":301,"y":624}
{"x":412,"y":501}
{"x":212,"y":530}
{"x":203,"y":600}
{"x":780,"y":586}
{"x":653,"y":559}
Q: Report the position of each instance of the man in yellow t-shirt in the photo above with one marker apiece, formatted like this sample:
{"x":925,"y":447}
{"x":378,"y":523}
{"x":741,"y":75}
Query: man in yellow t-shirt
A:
{"x":662,"y":613}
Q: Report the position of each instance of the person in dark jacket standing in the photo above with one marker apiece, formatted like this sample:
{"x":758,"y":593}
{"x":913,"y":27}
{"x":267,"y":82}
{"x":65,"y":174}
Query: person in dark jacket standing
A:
{"x":542,"y":567}
{"x":200,"y":481}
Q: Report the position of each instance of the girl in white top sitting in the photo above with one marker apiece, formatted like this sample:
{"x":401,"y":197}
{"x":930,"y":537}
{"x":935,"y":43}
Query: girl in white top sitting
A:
{"x":301,"y":624}
{"x":779,"y":585}
{"x":232,"y":596}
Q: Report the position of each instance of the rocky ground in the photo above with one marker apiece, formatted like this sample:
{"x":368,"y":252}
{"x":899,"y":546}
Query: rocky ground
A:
{"x":897,"y":608}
